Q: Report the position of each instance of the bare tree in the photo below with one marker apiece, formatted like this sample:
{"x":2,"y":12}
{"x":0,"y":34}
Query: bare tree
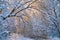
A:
{"x":38,"y":17}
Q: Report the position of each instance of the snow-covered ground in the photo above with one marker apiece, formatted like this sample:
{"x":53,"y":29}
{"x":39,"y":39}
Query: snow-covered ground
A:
{"x":15,"y":36}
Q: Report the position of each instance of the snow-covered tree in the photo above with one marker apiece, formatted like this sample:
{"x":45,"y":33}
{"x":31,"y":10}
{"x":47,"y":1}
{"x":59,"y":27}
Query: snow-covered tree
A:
{"x":31,"y":18}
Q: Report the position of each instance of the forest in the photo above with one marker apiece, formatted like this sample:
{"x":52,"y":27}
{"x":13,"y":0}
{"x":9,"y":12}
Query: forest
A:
{"x":29,"y":19}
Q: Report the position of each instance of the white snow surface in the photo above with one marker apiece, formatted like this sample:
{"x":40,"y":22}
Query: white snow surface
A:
{"x":15,"y":36}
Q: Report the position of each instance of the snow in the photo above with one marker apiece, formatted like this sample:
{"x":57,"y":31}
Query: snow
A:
{"x":15,"y":36}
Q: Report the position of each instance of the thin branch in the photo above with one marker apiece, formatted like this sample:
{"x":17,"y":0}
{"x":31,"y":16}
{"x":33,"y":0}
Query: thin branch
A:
{"x":56,"y":25}
{"x":17,"y":12}
{"x":26,"y":7}
{"x":55,"y":12}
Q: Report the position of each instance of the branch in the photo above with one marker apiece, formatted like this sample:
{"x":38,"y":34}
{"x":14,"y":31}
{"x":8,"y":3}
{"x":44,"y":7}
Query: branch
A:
{"x":18,"y":11}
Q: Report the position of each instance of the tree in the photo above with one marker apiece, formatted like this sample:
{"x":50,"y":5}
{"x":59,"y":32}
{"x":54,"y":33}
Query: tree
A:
{"x":34,"y":19}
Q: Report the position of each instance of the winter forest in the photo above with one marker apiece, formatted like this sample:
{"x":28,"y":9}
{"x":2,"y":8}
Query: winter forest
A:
{"x":29,"y":19}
